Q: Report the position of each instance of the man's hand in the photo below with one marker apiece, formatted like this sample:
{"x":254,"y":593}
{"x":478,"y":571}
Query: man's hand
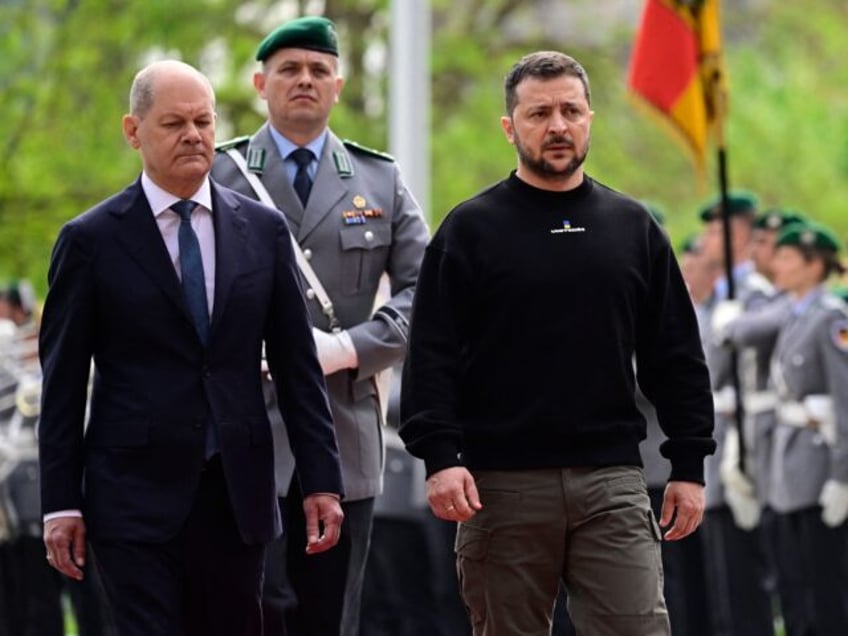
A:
{"x":686,"y":499}
{"x":452,"y":494}
{"x":64,"y":538}
{"x":323,"y":522}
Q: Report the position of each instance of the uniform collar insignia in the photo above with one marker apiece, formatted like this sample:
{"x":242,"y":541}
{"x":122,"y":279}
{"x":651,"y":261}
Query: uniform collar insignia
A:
{"x":255,"y":159}
{"x":343,"y":165}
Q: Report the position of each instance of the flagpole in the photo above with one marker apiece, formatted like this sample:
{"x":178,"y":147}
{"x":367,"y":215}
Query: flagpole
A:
{"x":719,"y":102}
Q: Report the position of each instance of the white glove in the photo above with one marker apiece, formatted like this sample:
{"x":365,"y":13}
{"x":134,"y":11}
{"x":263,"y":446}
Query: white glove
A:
{"x":739,"y":490}
{"x":819,"y":409}
{"x":834,"y":502}
{"x":335,"y":351}
{"x":724,"y":401}
{"x":724,"y":314}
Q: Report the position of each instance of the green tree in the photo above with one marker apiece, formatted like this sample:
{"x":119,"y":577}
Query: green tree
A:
{"x":66,"y":66}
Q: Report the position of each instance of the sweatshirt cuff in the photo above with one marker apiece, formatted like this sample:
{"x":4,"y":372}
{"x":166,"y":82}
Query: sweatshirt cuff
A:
{"x":687,"y":469}
{"x":439,"y":454}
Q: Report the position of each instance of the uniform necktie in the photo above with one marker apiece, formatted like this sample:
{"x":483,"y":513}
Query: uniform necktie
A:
{"x":191,"y":268}
{"x":302,"y":181}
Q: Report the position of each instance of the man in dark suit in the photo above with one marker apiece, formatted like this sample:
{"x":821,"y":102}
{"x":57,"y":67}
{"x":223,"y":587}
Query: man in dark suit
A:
{"x":171,"y":481}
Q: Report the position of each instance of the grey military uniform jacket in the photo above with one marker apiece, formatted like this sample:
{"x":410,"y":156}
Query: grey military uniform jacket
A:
{"x":753,"y":291}
{"x":360,"y":222}
{"x":810,"y":358}
{"x":757,"y":330}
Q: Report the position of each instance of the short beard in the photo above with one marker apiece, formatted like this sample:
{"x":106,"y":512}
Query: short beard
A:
{"x":542,"y":168}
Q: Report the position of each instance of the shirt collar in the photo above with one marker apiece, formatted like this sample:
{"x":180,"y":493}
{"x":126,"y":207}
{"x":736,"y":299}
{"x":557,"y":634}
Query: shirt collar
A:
{"x":740,"y":271}
{"x":800,"y":306}
{"x":286,"y":147}
{"x":161,"y":200}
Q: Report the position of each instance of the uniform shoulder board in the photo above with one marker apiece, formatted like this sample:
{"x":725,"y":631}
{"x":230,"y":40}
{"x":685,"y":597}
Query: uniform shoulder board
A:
{"x":366,"y":150}
{"x":832,"y":302}
{"x":231,"y":143}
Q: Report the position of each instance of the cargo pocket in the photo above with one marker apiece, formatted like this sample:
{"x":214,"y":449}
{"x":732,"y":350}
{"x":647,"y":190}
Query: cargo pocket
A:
{"x":472,"y":547}
{"x":656,"y":532}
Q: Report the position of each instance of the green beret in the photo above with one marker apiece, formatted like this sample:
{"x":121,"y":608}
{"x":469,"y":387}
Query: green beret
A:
{"x":739,"y":203}
{"x":690,"y":245}
{"x":840,"y":291}
{"x":809,"y":234}
{"x":311,"y":32}
{"x":776,"y":219}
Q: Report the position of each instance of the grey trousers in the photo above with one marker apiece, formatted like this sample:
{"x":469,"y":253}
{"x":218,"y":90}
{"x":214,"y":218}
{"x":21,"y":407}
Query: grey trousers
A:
{"x":592,"y":528}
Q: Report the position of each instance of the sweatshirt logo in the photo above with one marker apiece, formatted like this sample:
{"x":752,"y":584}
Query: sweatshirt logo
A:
{"x":567,"y":228}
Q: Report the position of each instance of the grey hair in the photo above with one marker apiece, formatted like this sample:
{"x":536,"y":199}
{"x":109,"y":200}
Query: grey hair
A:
{"x":142,"y":94}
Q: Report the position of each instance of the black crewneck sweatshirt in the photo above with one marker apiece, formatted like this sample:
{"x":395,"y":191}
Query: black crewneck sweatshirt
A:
{"x":530,"y":307}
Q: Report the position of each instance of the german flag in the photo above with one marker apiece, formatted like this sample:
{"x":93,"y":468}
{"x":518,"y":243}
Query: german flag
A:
{"x":677,"y":70}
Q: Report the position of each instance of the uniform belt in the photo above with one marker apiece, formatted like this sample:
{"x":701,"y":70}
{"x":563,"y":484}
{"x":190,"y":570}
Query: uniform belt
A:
{"x":760,"y":402}
{"x":815,"y":411}
{"x":755,"y":403}
{"x":793,"y":414}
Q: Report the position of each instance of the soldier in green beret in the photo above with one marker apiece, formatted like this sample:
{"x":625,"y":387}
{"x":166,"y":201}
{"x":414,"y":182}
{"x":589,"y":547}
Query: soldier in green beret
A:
{"x":734,"y":539}
{"x":354,"y":221}
{"x":767,"y":226}
{"x":808,"y":488}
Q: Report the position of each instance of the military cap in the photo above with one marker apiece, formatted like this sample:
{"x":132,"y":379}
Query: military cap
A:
{"x":739,"y":203}
{"x":690,"y":245}
{"x":310,"y":32}
{"x":776,"y":219}
{"x":808,"y":234}
{"x":840,"y":291}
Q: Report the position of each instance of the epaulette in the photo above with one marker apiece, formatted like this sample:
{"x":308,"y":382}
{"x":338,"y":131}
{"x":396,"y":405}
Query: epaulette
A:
{"x":833,"y":302}
{"x":368,"y":151}
{"x":231,"y":143}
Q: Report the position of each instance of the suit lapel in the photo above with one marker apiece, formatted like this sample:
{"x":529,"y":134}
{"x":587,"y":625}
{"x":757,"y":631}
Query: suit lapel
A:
{"x":230,"y":241}
{"x":140,"y":237}
{"x":327,"y":190}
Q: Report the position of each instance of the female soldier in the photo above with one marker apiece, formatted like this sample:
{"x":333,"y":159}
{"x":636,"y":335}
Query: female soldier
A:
{"x":808,"y":487}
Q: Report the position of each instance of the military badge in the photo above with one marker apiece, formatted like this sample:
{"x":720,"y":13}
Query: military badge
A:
{"x":353,"y":217}
{"x":839,"y":334}
{"x":360,"y":216}
{"x":359,"y":201}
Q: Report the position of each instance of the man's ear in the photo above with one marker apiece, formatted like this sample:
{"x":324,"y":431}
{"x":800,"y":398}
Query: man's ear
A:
{"x":508,"y":128}
{"x":130,"y":126}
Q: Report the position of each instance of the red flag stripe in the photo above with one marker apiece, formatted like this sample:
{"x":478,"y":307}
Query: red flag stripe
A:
{"x":665,"y":58}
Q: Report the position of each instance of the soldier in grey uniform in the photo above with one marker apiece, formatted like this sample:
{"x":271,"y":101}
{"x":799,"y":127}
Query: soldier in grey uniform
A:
{"x":736,"y":548}
{"x":764,"y":237}
{"x":355,"y":221}
{"x":757,"y":330}
{"x":809,"y":468}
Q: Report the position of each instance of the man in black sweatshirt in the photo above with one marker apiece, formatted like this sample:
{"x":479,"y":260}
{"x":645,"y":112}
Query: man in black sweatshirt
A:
{"x":518,"y":389}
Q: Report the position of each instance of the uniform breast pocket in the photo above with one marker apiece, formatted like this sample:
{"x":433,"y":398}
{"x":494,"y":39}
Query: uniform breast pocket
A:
{"x":364,"y":252}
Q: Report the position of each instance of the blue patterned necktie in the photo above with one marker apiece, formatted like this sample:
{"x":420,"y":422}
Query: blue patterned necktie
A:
{"x":302,"y":181}
{"x":191,"y":268}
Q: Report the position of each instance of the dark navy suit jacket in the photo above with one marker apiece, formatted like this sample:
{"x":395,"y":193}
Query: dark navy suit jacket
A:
{"x":115,"y":297}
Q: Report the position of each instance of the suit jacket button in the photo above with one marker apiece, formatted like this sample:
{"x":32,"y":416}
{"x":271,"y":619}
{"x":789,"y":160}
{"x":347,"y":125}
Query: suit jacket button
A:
{"x":307,"y":253}
{"x":369,"y":235}
{"x":310,"y":293}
